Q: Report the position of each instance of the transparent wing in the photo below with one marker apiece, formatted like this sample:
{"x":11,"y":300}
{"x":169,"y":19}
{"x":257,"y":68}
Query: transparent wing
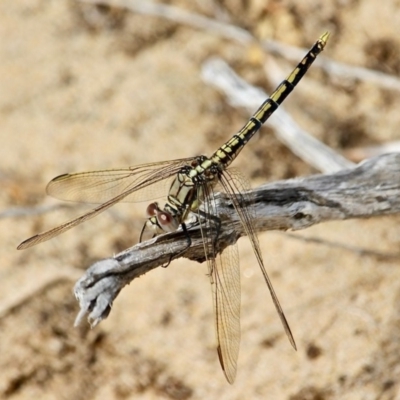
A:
{"x":236,"y":187}
{"x":140,"y":183}
{"x":67,"y":187}
{"x":225,"y":286}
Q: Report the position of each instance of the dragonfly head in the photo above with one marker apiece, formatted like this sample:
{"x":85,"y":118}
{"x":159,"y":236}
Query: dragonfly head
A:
{"x":158,"y":222}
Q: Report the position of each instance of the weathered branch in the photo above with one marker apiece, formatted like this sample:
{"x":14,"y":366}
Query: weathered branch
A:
{"x":370,"y":189}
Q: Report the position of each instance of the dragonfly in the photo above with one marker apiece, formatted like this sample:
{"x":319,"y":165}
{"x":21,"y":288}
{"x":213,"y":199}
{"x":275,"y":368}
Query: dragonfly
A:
{"x":190,"y":186}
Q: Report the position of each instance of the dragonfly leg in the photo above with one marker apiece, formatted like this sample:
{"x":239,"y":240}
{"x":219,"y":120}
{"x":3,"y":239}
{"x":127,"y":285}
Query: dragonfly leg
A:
{"x":189,"y":243}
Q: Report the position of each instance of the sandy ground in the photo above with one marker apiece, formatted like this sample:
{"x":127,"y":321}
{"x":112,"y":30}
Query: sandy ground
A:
{"x":85,"y":88}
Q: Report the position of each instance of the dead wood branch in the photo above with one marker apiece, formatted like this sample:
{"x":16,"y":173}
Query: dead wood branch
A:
{"x":370,"y":189}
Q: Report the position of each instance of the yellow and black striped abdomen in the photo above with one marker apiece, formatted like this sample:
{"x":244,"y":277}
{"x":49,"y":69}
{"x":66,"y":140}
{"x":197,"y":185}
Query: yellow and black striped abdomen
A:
{"x":229,"y":151}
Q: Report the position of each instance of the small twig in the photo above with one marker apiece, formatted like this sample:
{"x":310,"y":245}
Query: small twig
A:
{"x":334,"y":68}
{"x":34,"y":210}
{"x":370,"y":189}
{"x":180,"y":16}
{"x":239,"y":93}
{"x":242,"y":36}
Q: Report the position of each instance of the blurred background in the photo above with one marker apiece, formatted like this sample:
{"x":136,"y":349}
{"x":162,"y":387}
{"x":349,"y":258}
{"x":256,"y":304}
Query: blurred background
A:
{"x":86,"y":87}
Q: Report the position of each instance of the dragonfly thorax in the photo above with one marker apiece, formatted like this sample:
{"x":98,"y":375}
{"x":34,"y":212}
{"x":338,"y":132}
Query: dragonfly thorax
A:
{"x":184,"y":196}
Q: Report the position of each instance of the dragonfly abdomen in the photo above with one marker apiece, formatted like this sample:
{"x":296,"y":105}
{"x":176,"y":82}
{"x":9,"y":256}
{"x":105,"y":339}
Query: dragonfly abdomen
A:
{"x":230,"y":150}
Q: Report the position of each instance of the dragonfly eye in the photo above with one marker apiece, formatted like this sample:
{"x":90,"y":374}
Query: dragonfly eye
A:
{"x":167,"y":222}
{"x":152,"y":209}
{"x":164,"y":218}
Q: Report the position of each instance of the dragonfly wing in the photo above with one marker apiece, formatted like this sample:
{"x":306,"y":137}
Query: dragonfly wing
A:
{"x":141,"y":183}
{"x":68,"y":186}
{"x":225,"y":286}
{"x":44,"y":236}
{"x":237,"y":188}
